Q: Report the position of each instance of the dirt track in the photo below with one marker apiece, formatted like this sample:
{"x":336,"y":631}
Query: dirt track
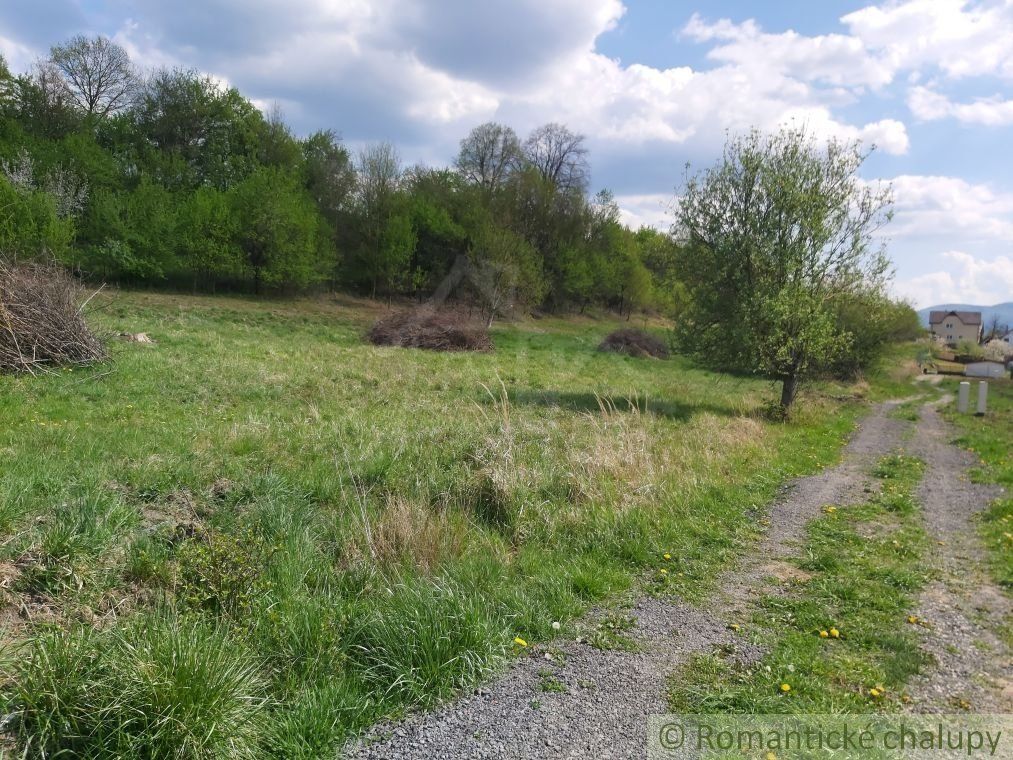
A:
{"x":962,"y":607}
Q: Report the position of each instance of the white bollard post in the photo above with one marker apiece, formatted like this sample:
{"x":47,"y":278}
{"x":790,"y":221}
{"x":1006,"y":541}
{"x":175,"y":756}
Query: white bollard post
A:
{"x":982,"y":396}
{"x":963,"y":395}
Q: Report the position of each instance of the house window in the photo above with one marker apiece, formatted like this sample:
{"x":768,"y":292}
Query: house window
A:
{"x":949,"y":325}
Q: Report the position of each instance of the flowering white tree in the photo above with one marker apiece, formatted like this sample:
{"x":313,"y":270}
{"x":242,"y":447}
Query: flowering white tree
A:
{"x":68,"y":190}
{"x":998,"y":350}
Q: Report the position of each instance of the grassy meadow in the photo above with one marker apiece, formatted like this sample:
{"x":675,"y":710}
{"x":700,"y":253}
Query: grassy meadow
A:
{"x":261,"y":534}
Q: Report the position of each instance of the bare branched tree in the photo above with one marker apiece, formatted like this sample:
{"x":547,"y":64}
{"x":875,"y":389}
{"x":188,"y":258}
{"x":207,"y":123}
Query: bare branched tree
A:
{"x":379,"y":173}
{"x":51,"y":86}
{"x":559,"y":156}
{"x":97,"y":73}
{"x":996,"y":329}
{"x":488,"y":154}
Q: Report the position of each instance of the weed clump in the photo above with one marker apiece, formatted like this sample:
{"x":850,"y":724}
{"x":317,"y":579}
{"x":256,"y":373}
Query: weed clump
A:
{"x":221,"y":573}
{"x":633,"y":342}
{"x":41,"y":324}
{"x":433,"y":329}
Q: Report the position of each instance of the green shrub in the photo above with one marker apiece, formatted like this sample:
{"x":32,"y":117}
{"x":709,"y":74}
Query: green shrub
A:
{"x":29,"y":224}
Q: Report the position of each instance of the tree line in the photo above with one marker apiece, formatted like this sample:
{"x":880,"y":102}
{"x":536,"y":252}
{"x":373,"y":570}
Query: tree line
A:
{"x":772,"y":265}
{"x":174,"y":178}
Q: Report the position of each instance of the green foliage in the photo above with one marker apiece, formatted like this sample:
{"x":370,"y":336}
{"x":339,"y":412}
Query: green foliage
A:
{"x":873,"y":321}
{"x":277,"y":229}
{"x":190,"y":131}
{"x":206,"y":237}
{"x":426,"y":642}
{"x":220,"y":573}
{"x":190,"y":184}
{"x":506,"y":271}
{"x":29,"y":224}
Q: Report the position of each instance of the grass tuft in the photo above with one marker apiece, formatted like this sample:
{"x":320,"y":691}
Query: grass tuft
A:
{"x":153,"y":688}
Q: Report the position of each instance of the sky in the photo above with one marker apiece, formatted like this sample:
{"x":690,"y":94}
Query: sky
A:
{"x":653,"y":84}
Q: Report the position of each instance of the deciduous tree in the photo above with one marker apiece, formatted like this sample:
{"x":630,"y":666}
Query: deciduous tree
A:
{"x":559,"y":156}
{"x":488,"y":155}
{"x":774,"y":236}
{"x":97,"y":73}
{"x":386,"y":236}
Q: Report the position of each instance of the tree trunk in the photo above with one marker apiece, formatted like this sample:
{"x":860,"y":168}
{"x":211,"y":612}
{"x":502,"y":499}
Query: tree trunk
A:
{"x":789,"y":387}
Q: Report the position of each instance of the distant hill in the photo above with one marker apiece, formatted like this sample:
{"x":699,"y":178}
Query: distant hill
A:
{"x":1003,"y":310}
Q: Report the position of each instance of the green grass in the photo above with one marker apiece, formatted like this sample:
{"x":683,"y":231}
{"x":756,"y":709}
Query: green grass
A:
{"x":149,"y":688}
{"x":330,"y":533}
{"x":990,"y":438}
{"x":865,"y":571}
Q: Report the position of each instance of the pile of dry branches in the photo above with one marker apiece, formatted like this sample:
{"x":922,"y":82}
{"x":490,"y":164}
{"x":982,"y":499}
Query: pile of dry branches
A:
{"x":634,"y":343}
{"x":438,"y":330}
{"x":41,"y":324}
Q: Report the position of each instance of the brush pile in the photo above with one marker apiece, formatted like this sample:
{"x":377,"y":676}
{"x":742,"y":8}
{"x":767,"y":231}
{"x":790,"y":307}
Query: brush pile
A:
{"x":633,"y":342}
{"x":41,"y":324}
{"x":434,"y":329}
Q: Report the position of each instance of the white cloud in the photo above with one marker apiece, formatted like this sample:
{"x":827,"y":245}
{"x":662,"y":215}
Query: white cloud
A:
{"x":952,"y":38}
{"x":19,"y":56}
{"x":928,"y":105}
{"x":649,"y":210}
{"x":424,"y":71}
{"x":957,"y":37}
{"x":930,"y":207}
{"x":639,"y":104}
{"x":832,"y":58}
{"x":967,"y":279}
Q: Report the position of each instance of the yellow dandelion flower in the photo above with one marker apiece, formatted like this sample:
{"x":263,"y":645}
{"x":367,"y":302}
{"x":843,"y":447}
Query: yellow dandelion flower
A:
{"x":912,"y":619}
{"x":824,"y":634}
{"x":874,"y":692}
{"x":834,"y":633}
{"x":785,"y":688}
{"x":770,"y":756}
{"x":734,"y":626}
{"x":667,"y":556}
{"x":663,"y":571}
{"x":520,"y":642}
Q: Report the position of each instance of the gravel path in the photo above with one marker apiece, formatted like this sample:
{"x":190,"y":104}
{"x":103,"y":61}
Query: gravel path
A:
{"x":963,"y":607}
{"x":600,"y":706}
